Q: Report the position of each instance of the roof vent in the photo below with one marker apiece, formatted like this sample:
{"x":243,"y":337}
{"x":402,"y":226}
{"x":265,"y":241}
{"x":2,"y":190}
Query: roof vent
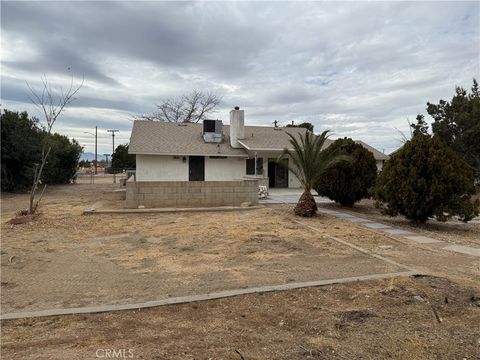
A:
{"x":212,"y":131}
{"x":237,"y":107}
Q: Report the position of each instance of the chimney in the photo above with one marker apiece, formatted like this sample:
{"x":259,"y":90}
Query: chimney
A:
{"x":237,"y":128}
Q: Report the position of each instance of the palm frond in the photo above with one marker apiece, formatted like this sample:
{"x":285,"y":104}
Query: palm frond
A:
{"x":306,"y":162}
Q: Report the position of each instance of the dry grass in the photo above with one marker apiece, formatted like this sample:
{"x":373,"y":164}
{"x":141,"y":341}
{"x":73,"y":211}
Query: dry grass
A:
{"x":368,"y":320}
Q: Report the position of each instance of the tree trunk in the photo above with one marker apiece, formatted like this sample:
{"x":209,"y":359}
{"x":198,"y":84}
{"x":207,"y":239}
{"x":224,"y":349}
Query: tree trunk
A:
{"x":306,"y":206}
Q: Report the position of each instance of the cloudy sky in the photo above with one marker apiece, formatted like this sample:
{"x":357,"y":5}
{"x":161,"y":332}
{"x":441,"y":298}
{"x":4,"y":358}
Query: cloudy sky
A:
{"x":360,"y":69}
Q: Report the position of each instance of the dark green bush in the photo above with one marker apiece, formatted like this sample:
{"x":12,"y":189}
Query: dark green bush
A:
{"x":22,"y":140}
{"x":347,"y":182}
{"x":426,"y":179}
{"x":21,"y":146}
{"x":121,"y":159}
{"x":62,"y":161}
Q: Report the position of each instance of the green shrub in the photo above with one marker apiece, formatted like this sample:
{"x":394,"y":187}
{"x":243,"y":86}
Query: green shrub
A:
{"x":21,"y":146}
{"x":22,"y":140}
{"x":121,"y":159}
{"x":426,"y":179}
{"x":62,"y":161}
{"x":347,"y":182}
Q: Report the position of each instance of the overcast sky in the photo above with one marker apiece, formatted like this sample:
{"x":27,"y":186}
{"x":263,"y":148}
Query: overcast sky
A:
{"x":359,"y":69}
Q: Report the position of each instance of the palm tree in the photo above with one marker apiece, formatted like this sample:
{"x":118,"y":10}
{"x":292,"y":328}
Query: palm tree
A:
{"x":308,"y":165}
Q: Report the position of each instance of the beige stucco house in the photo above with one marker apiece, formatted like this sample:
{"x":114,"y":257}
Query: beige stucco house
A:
{"x":212,"y":151}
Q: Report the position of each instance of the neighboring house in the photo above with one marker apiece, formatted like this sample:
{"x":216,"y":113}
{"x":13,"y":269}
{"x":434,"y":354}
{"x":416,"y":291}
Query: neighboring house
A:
{"x":215,"y":152}
{"x":379,"y":156}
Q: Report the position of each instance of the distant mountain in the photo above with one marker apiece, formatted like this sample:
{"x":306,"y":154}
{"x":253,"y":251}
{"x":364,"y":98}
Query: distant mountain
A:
{"x":89,"y":156}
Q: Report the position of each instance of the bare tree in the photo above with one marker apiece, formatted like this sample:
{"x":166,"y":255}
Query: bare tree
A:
{"x":52,"y":104}
{"x":192,"y":107}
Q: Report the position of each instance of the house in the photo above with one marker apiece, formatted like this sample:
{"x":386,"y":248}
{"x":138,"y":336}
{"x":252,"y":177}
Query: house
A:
{"x":379,"y":156}
{"x":215,"y":152}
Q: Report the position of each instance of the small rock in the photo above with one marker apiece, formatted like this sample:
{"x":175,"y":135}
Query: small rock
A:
{"x":281,"y":323}
{"x":418,"y":298}
{"x":141,"y":206}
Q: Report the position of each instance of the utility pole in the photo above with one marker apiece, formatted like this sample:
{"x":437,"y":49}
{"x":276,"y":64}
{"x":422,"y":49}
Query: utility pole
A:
{"x":113,"y":131}
{"x":95,"y":135}
{"x":113,"y":139}
{"x":96,"y":128}
{"x":106,"y":158}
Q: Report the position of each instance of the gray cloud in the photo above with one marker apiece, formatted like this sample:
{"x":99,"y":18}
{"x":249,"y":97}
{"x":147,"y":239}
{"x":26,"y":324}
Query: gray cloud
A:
{"x":360,"y":69}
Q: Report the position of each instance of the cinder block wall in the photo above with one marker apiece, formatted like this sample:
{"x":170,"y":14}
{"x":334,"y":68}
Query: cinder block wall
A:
{"x":153,"y":194}
{"x":262,"y":180}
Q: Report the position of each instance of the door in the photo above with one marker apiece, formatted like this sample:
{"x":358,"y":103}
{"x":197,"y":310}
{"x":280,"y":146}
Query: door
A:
{"x":271,"y":174}
{"x":281,"y":174}
{"x":278,"y":174}
{"x":196,"y":168}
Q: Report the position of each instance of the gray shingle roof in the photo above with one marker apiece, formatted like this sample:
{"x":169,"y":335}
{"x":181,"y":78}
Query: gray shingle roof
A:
{"x":378,"y":155}
{"x":163,"y":138}
{"x":269,"y":138}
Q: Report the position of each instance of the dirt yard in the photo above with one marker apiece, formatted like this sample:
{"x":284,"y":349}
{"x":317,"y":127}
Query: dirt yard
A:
{"x":369,"y":320}
{"x":66,"y":259}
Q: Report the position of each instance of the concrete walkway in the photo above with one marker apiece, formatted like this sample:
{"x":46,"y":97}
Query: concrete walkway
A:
{"x":169,"y":210}
{"x":202,"y":297}
{"x":400,"y":233}
{"x":279,"y":197}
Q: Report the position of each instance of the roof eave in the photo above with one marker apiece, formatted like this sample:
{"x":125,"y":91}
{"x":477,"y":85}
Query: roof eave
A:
{"x":185,"y":154}
{"x":258,"y":149}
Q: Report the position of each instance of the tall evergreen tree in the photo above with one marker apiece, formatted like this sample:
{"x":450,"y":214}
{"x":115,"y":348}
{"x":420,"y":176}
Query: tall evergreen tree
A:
{"x":457,"y":123}
{"x":121,"y":159}
{"x":426,"y":179}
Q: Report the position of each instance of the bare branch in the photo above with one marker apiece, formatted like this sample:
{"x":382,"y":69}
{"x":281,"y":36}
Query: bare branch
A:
{"x":52,"y":106}
{"x":193,"y":107}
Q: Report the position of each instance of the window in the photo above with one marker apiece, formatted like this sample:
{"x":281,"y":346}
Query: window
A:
{"x":251,"y":166}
